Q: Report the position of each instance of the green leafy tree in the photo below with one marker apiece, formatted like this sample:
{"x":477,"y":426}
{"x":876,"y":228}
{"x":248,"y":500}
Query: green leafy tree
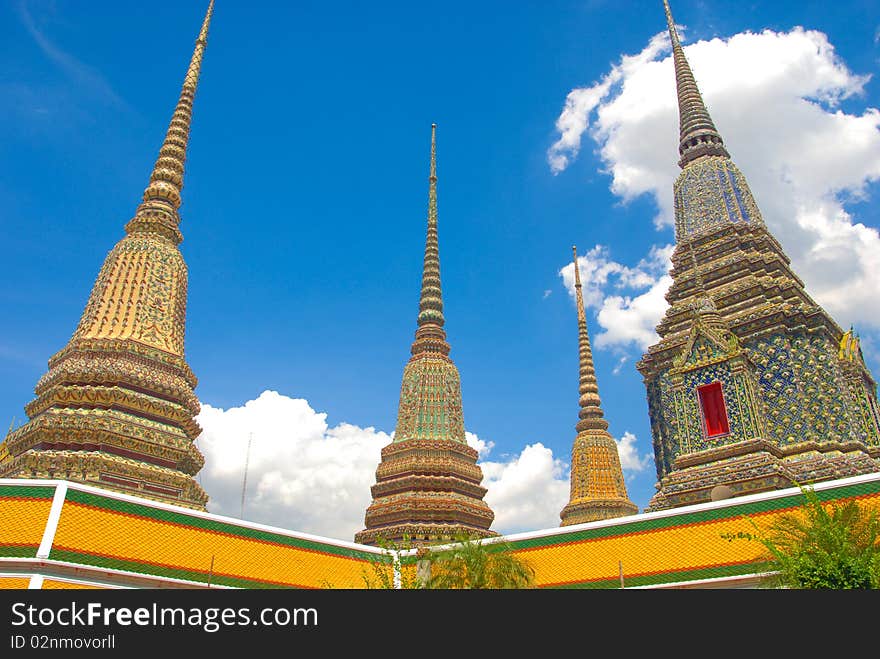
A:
{"x":471,"y":564}
{"x":465,"y":564}
{"x":387,"y":571}
{"x":822,"y":546}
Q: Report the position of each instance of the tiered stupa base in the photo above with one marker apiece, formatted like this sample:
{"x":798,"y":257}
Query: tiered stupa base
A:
{"x":593,"y":510}
{"x":758,"y":466}
{"x":426,"y":492}
{"x":116,"y":414}
{"x":109,"y":472}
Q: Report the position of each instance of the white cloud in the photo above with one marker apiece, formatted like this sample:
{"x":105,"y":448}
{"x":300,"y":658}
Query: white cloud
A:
{"x":574,"y":119}
{"x":630,"y":459}
{"x":627,"y":319}
{"x":527,"y":492}
{"x":85,"y":76}
{"x":483,"y":448}
{"x":305,"y":476}
{"x":625,"y":315}
{"x":775,"y":98}
{"x":302,"y":475}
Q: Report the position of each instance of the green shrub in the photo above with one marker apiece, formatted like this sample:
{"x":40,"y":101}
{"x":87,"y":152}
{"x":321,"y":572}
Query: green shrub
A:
{"x":823,"y":546}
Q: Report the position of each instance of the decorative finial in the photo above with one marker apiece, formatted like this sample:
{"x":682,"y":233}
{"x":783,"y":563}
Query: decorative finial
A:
{"x":850,"y":346}
{"x":158,"y":213}
{"x":673,"y":34}
{"x":697,"y":133}
{"x":433,"y":176}
{"x":430,"y":335}
{"x":591,"y":416}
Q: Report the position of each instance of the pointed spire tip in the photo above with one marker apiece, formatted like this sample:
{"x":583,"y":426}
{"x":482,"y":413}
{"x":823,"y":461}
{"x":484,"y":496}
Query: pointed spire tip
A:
{"x":670,"y":22}
{"x":698,"y":135}
{"x":430,"y":335}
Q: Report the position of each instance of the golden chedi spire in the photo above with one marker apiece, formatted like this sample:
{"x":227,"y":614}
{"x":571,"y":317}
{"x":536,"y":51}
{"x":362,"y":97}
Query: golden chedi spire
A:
{"x":428,"y":483}
{"x":159,"y":211}
{"x":597,"y":487}
{"x":430,"y":335}
{"x":116,"y":408}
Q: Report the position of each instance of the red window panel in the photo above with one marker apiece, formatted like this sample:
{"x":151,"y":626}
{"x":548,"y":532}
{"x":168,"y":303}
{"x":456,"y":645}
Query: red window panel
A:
{"x":714,"y":412}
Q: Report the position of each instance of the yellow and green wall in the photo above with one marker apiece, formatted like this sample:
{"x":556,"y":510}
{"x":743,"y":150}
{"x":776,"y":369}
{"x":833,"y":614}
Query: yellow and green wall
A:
{"x":55,"y":534}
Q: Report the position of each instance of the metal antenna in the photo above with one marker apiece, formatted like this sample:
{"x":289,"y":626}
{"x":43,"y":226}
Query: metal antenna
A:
{"x":244,"y":480}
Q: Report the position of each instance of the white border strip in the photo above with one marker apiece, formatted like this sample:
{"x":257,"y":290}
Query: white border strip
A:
{"x":113,"y":577}
{"x":234,"y":521}
{"x":722,"y":582}
{"x":15,"y":575}
{"x":52,"y":521}
{"x":70,"y":580}
{"x":671,"y":512}
{"x":684,"y":510}
{"x":528,"y":535}
{"x":36,"y":582}
{"x":85,"y":582}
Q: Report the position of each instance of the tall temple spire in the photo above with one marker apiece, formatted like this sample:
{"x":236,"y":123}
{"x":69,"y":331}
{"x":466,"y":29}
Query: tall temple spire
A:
{"x":116,"y":407}
{"x":598,"y":490}
{"x":159,"y":210}
{"x":591,"y":417}
{"x":711,"y":190}
{"x":697,"y":133}
{"x":428,"y":483}
{"x":430,"y":335}
{"x":746,"y":387}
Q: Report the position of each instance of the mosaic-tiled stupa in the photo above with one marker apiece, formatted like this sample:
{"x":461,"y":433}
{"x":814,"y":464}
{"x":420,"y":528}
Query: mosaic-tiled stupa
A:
{"x":428,"y":483}
{"x":116,"y":408}
{"x":752,"y":385}
{"x":597,"y":487}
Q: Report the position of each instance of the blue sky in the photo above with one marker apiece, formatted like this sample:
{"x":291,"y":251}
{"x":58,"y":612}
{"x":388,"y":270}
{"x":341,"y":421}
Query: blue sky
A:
{"x":306,"y":191}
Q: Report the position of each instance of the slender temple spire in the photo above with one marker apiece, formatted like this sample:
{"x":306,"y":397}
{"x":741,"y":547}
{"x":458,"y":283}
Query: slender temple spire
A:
{"x":591,"y":417}
{"x":117,"y":408}
{"x":158,"y":213}
{"x":428,"y":481}
{"x":698,"y":135}
{"x":430,"y":335}
{"x":597,"y":486}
